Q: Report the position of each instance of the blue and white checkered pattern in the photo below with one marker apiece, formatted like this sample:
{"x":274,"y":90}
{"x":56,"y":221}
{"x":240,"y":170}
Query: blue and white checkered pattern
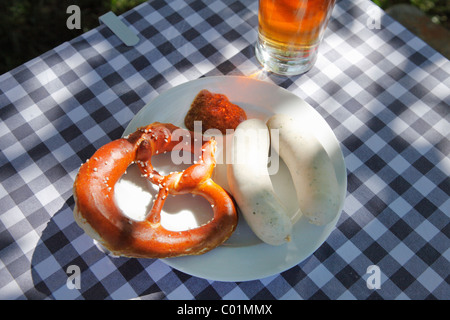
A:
{"x":384,"y":92}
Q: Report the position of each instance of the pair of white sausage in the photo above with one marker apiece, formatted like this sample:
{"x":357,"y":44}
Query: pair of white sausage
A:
{"x":311,"y":169}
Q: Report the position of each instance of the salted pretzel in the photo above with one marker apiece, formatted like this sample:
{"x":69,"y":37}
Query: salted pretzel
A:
{"x":97,"y":213}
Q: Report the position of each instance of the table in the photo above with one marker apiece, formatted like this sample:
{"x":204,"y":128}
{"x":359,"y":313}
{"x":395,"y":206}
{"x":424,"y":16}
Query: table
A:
{"x":383,"y":91}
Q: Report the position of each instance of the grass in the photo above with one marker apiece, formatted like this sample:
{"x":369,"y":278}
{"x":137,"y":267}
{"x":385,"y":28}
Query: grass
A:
{"x":437,"y":10}
{"x":29,"y":28}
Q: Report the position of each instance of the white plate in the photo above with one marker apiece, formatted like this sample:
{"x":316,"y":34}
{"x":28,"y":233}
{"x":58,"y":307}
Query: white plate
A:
{"x":243,"y":257}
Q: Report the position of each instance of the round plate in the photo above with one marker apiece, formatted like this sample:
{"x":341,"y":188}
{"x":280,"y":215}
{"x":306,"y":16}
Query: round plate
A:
{"x":243,"y":257}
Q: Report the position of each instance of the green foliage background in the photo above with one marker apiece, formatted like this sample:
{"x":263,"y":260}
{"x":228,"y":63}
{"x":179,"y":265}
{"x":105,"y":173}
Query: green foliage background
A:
{"x":29,"y":28}
{"x":438,"y":10}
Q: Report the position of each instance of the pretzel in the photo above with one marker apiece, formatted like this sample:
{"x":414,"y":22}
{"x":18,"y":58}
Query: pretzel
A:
{"x":97,"y":213}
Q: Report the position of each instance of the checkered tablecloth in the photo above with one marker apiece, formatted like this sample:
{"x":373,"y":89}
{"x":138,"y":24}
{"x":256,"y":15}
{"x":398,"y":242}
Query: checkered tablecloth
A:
{"x":384,"y":92}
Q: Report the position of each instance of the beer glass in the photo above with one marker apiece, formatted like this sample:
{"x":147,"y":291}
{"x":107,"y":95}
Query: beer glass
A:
{"x":290,"y":32}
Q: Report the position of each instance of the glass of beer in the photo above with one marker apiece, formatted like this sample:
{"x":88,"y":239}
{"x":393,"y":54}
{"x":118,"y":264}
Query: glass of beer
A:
{"x":290,"y":32}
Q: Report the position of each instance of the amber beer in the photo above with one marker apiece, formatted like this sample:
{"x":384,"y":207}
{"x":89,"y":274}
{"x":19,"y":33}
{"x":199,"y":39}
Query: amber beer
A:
{"x":290,"y":32}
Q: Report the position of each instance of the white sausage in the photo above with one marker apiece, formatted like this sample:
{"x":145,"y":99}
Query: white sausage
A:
{"x":311,"y":169}
{"x":251,"y":186}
